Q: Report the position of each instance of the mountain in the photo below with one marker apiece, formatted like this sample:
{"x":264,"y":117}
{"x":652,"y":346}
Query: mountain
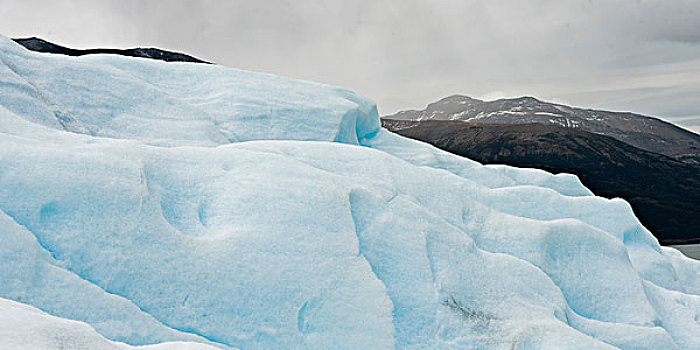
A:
{"x":664,"y":192}
{"x":41,"y":45}
{"x":162,"y":203}
{"x":649,"y":134}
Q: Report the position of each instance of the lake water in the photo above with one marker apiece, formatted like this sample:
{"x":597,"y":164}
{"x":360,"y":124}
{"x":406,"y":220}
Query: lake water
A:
{"x":691,"y":250}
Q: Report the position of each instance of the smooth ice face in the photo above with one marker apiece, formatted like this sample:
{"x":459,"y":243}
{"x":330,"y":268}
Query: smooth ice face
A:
{"x":129,"y":202}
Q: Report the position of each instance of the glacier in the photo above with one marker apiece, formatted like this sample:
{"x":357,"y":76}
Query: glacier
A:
{"x":25,"y":327}
{"x":152,"y":205}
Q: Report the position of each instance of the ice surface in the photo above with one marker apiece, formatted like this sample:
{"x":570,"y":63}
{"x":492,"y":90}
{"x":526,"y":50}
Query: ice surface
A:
{"x":54,"y":289}
{"x":24,"y":327}
{"x":176,"y":202}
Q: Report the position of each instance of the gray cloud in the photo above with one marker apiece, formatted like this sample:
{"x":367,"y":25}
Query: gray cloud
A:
{"x":642,"y":56}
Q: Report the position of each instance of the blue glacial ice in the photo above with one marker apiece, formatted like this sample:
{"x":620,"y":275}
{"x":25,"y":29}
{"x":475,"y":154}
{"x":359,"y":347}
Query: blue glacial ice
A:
{"x":27,"y":328}
{"x":182,"y":205}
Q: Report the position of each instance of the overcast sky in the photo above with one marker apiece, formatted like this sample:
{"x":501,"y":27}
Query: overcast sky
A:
{"x":641,"y":56}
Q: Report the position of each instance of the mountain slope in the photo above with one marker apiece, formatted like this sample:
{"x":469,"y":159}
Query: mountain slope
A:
{"x":664,"y":192}
{"x":649,"y":134}
{"x":41,"y":45}
{"x":256,"y":211}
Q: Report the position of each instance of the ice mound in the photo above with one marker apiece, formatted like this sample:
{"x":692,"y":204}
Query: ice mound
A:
{"x":177,"y":104}
{"x":128,"y":201}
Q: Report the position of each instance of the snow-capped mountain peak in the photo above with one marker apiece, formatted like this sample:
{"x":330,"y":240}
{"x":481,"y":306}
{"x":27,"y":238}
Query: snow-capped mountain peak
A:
{"x":644,"y":132}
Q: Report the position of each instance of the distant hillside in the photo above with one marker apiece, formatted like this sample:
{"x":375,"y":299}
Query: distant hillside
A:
{"x":664,"y":192}
{"x":647,"y":133}
{"x":41,"y":45}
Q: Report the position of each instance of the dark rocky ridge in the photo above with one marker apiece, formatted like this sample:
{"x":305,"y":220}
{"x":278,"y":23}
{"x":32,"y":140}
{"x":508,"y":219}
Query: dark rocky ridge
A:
{"x":647,"y":133}
{"x":40,"y":45}
{"x":664,"y":192}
